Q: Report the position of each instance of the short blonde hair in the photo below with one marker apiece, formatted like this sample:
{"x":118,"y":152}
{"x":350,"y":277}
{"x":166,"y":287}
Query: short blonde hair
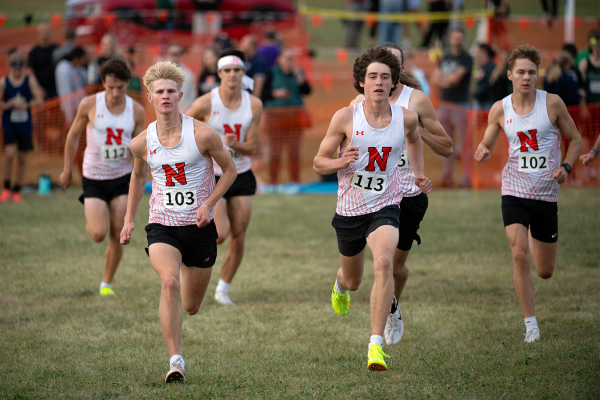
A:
{"x":164,"y":70}
{"x":524,"y":52}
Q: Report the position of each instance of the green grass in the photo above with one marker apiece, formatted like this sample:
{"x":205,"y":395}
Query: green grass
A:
{"x":464,"y":327}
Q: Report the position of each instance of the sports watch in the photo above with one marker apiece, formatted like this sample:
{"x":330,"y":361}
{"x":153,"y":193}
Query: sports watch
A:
{"x":567,"y":167}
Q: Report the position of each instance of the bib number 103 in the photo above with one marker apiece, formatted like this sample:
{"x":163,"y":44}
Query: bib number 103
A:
{"x":113,"y":153}
{"x":533,"y":162}
{"x":369,"y":182}
{"x":180,"y":198}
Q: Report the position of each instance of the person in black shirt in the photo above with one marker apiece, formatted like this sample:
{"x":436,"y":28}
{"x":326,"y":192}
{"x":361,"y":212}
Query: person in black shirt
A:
{"x":484,"y":92}
{"x":41,"y":62}
{"x":209,"y":78}
{"x":453,"y":77}
{"x":560,"y":83}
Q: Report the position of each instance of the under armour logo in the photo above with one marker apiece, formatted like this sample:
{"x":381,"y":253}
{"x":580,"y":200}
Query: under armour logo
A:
{"x":509,"y":121}
{"x":360,"y":133}
{"x":99,"y":116}
{"x":215,"y":112}
{"x":152,"y":152}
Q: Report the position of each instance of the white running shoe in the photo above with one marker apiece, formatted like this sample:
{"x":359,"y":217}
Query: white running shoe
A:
{"x":394,"y":327}
{"x":532,"y":336}
{"x":223,"y":299}
{"x":177,"y":372}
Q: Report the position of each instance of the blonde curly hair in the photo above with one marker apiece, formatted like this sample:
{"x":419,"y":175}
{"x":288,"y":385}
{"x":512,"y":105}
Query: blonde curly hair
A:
{"x":164,"y":70}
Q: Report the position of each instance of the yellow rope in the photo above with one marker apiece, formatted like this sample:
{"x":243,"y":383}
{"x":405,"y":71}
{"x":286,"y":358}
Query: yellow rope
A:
{"x":393,"y":17}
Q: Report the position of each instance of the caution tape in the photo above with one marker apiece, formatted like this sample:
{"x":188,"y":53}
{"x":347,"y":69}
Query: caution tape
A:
{"x":393,"y":17}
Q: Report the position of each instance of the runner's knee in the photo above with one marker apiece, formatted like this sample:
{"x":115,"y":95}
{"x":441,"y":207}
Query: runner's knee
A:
{"x":546,"y":274}
{"x":521,"y":259}
{"x":171,"y":285}
{"x":191,"y":309}
{"x":353,"y":283}
{"x":97,"y":235}
{"x":383,"y":264}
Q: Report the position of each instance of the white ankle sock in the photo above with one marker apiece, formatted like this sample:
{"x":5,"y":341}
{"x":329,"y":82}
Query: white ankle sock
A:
{"x":175,"y":357}
{"x":223,"y":286}
{"x":376,"y":339}
{"x":104,"y":284}
{"x":338,"y":290}
{"x":530,"y":323}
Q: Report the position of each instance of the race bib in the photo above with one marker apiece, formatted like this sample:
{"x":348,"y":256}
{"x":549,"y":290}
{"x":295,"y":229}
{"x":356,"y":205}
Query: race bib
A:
{"x":533,"y":162}
{"x":234,"y":154}
{"x":114,"y":153}
{"x":595,"y":87}
{"x":19,"y":116}
{"x":369,"y":182}
{"x":403,"y":163}
{"x":180,"y":198}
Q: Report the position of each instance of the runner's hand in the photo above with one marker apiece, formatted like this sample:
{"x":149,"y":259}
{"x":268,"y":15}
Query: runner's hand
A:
{"x":350,"y":155}
{"x":126,"y":232}
{"x":202,"y":216}
{"x":229,"y":139}
{"x":65,"y":179}
{"x":482,"y":153}
{"x":587,"y":158}
{"x":560,"y":175}
{"x":424,"y":183}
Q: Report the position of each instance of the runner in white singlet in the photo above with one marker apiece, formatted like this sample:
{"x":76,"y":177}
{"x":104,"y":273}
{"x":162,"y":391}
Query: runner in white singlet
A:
{"x":180,"y":152}
{"x":414,"y":202}
{"x":111,"y":120}
{"x":533,"y":121}
{"x":370,"y":136}
{"x":235,"y":115}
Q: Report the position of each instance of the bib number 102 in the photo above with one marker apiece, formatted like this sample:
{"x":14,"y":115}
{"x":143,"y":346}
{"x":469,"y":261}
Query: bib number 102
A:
{"x":179,"y":198}
{"x":533,"y":162}
{"x":369,"y":182}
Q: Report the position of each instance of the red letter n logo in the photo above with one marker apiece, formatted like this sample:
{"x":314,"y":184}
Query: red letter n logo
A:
{"x":111,"y":135}
{"x":230,"y":131}
{"x":374,"y":156}
{"x":179,"y":175}
{"x":525,"y":140}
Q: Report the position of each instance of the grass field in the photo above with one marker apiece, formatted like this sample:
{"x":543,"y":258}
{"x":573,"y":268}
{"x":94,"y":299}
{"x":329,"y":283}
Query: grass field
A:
{"x":464,"y":335}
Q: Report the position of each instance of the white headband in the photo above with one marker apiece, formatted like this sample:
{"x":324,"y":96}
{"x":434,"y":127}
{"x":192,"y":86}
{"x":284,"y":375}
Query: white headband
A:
{"x":230,"y":60}
{"x":247,"y":82}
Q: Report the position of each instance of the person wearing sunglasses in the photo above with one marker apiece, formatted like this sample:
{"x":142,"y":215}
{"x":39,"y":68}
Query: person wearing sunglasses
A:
{"x":18,"y":93}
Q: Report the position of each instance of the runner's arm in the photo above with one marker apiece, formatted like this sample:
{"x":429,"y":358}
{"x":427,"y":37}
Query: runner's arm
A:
{"x":137,"y":185}
{"x":139,"y":115}
{"x":486,"y":147}
{"x":200,"y":108}
{"x":568,"y":128}
{"x":323,"y":164}
{"x":72,"y":142}
{"x":414,"y":149}
{"x":433,"y":133}
{"x":247,"y":147}
{"x":210,"y":145}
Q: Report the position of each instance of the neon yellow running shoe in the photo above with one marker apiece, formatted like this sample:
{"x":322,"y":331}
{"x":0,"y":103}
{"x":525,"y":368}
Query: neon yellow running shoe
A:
{"x":340,"y":302}
{"x":106,"y":291}
{"x":376,"y":362}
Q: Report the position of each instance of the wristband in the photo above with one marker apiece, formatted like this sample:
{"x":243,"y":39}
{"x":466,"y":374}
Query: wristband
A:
{"x":594,"y":152}
{"x":207,"y":207}
{"x":567,"y":167}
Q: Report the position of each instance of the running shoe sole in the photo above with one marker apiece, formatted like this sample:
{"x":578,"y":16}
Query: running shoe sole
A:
{"x":174,"y":376}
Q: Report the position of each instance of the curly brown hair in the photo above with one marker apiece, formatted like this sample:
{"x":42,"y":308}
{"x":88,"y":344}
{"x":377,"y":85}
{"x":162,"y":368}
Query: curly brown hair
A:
{"x":524,"y":51}
{"x":375,"y":55}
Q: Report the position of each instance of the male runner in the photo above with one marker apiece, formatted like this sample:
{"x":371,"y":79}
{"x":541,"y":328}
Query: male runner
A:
{"x":181,"y":233}
{"x":111,"y":119}
{"x":414,"y":202}
{"x":533,"y":121}
{"x":235,"y":115}
{"x":371,"y":137}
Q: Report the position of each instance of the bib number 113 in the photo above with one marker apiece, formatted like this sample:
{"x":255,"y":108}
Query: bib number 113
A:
{"x":369,"y":182}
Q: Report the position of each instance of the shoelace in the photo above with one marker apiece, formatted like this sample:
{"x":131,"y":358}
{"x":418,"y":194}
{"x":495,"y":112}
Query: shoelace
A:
{"x":530,"y":335}
{"x":374,"y":352}
{"x":177,"y":365}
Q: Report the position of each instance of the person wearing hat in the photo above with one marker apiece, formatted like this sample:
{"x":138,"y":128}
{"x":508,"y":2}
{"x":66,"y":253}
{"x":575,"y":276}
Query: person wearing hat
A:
{"x":18,"y":93}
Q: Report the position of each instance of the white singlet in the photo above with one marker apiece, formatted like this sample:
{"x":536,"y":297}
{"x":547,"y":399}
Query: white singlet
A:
{"x":223,"y":120}
{"x":370,"y":183}
{"x":533,"y":152}
{"x":181,"y":178}
{"x":107,"y":154}
{"x":407,"y":175}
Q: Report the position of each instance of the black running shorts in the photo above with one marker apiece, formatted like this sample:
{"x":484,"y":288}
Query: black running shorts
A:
{"x":244,"y":185}
{"x":24,"y":141}
{"x":413,"y":211}
{"x":198,"y":246}
{"x":540,"y":216}
{"x":105,"y":190}
{"x":352,"y":232}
